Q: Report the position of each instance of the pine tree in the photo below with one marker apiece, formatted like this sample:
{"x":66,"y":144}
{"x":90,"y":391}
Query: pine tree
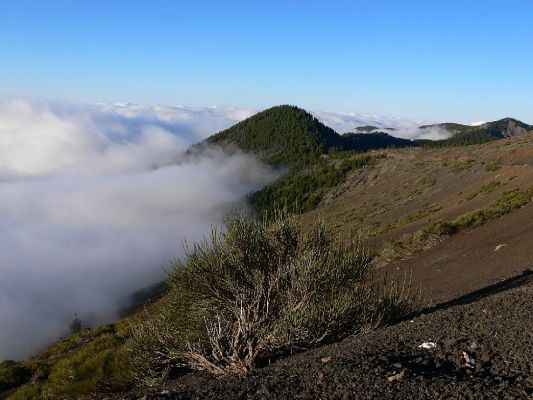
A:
{"x":75,"y":325}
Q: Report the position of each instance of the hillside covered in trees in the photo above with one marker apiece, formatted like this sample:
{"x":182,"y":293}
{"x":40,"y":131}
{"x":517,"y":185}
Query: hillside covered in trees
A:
{"x":290,"y":135}
{"x":464,"y":135}
{"x":317,"y":158}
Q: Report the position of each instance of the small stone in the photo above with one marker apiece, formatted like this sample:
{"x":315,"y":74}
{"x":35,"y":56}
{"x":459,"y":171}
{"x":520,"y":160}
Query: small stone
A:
{"x":263,"y":389}
{"x":321,"y":376}
{"x":305,"y":396}
{"x":470,"y":362}
{"x":326,"y":360}
{"x":396,"y":377}
{"x":485,"y":358}
{"x":397,"y":365}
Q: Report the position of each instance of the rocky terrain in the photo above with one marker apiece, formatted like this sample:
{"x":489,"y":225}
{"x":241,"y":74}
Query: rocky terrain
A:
{"x":479,"y":346}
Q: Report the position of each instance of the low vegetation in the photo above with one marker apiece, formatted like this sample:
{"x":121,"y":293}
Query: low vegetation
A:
{"x":13,"y":374}
{"x":90,"y":360}
{"x":261,"y":289}
{"x":302,"y":190}
{"x":485,"y":189}
{"x":463,"y":166}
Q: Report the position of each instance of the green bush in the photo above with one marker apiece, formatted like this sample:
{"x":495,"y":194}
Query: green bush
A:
{"x":13,"y":374}
{"x":78,"y":365}
{"x":261,"y":288}
{"x":301,"y":190}
{"x":492,"y":167}
{"x":486,"y":189}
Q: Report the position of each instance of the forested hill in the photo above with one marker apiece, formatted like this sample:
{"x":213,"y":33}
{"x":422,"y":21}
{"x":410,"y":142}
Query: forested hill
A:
{"x":282,"y":134}
{"x":290,"y":135}
{"x":374,"y":140}
{"x":452,"y":127}
{"x":487,"y":132}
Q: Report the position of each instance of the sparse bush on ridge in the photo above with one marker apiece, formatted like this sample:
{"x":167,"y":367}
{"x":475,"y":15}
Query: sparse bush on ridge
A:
{"x":438,"y":231}
{"x":260,"y":289}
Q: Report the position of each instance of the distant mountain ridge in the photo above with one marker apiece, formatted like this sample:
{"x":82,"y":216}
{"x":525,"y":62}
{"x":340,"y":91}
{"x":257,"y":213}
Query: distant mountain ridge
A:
{"x":290,"y":135}
{"x":505,"y":127}
{"x":281,"y":134}
{"x":371,"y":129}
{"x":373,"y":140}
{"x":449,"y":126}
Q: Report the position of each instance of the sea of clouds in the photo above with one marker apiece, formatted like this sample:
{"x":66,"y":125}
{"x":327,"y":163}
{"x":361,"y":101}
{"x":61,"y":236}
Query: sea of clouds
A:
{"x":404,"y":128}
{"x":96,"y":199}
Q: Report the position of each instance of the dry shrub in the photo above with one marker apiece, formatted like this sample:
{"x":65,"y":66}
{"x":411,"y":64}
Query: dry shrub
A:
{"x":261,"y":288}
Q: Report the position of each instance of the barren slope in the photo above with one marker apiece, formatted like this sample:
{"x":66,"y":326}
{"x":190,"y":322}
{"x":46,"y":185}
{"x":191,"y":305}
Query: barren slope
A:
{"x":496,"y":332}
{"x":412,"y":188}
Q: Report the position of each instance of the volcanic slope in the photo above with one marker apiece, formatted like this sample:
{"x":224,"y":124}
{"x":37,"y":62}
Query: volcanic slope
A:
{"x":492,"y":330}
{"x":475,"y":271}
{"x":456,"y":218}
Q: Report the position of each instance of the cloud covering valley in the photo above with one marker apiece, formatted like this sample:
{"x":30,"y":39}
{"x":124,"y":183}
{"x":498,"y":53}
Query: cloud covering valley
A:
{"x":94,"y":204}
{"x":96,"y":199}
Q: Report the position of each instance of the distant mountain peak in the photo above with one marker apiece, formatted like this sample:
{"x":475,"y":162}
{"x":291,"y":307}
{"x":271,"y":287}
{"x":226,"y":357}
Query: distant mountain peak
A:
{"x":290,"y":135}
{"x":280,"y":134}
{"x":505,"y":127}
{"x":491,"y":130}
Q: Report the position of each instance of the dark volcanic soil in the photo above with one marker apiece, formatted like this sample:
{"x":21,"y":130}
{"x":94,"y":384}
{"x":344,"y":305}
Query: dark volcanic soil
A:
{"x":493,"y":327}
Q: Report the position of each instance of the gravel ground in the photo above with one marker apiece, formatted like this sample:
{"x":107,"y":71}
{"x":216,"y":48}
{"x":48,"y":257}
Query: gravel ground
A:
{"x":484,"y":350}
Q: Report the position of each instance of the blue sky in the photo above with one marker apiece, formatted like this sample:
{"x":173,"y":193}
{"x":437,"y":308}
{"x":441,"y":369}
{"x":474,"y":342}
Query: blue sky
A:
{"x":436,"y":60}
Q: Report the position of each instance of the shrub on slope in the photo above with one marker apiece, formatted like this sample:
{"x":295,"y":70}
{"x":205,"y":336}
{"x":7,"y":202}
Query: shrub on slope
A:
{"x":260,"y":289}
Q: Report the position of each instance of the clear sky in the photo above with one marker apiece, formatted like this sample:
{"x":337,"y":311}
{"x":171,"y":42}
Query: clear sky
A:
{"x":438,"y":60}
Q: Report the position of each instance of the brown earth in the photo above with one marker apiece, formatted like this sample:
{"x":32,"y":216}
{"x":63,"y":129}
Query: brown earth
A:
{"x":412,"y":187}
{"x":474,"y":258}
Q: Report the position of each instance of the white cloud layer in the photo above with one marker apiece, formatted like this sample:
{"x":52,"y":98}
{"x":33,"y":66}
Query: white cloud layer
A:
{"x":95,"y":200}
{"x":398,"y":127}
{"x":94,"y":203}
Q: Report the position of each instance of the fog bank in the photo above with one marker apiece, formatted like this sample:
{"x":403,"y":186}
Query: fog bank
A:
{"x":94,"y":203}
{"x":398,"y":127}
